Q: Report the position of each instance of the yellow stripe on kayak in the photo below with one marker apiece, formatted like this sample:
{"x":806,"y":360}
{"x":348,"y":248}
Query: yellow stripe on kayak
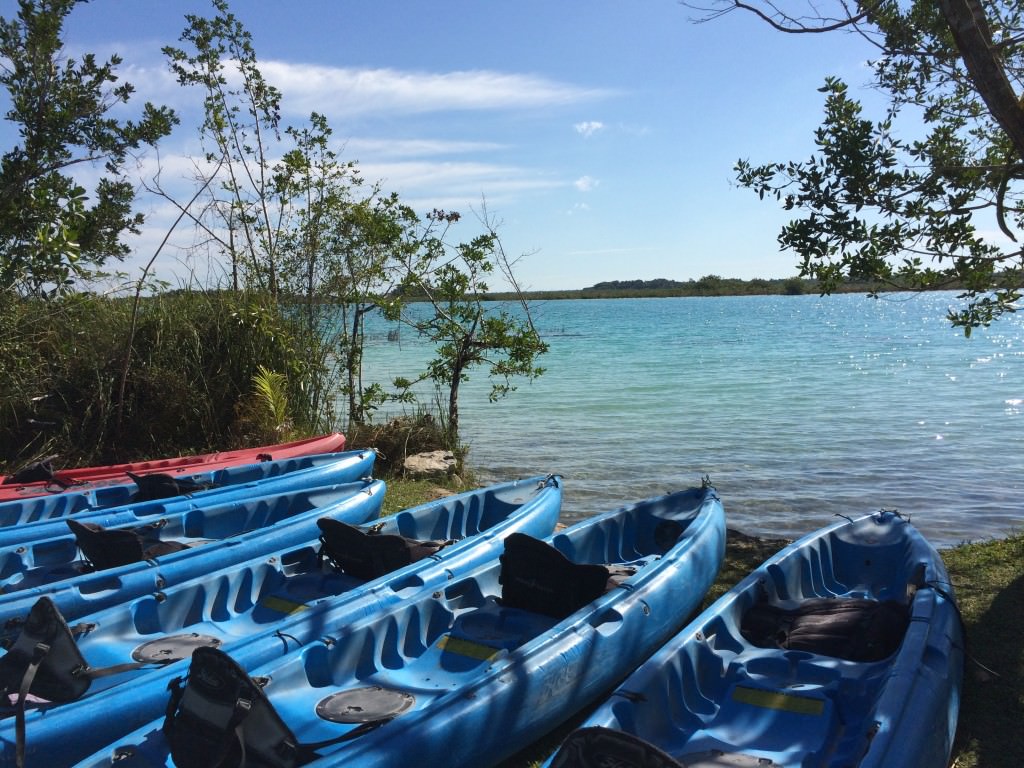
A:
{"x":787,"y":702}
{"x":281,"y":605}
{"x":467,"y":648}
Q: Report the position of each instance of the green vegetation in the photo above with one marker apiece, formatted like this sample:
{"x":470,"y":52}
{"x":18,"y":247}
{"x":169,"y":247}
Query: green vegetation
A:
{"x":709,"y":285}
{"x":931,"y":192}
{"x":413,"y":433}
{"x":465,"y":334}
{"x":71,"y":384}
{"x":307,"y":253}
{"x":989,"y":582}
{"x":49,"y":232}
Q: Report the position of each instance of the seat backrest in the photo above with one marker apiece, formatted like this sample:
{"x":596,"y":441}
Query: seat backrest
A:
{"x":32,"y":473}
{"x":222,"y":714}
{"x":46,"y":641}
{"x":537,"y":577}
{"x":109,"y":548}
{"x":159,"y":485}
{"x":369,"y":555}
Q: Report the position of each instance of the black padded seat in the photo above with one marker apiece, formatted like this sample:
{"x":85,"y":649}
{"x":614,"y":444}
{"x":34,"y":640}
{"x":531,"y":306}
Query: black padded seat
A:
{"x":369,"y":555}
{"x":110,"y":548}
{"x":537,"y":577}
{"x":855,"y":629}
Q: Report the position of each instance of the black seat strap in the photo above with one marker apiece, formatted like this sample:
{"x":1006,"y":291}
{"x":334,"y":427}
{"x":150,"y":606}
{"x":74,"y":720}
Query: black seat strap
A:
{"x":159,"y":485}
{"x":38,"y":655}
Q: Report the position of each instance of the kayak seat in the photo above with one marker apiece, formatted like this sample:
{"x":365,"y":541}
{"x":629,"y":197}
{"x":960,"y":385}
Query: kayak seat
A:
{"x":537,"y":577}
{"x":35,"y":472}
{"x":44,"y":660}
{"x":369,"y":555}
{"x":855,"y":629}
{"x":110,"y":548}
{"x":221,"y":716}
{"x":597,"y":746}
{"x":156,"y":486}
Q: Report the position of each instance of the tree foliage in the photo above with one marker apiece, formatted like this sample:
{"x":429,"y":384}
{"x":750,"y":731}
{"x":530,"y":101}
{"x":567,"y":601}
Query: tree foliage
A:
{"x":931,"y":193}
{"x":240,"y":128}
{"x":51,"y":230}
{"x":466,"y":331}
{"x":341,"y":246}
{"x":303,"y":228}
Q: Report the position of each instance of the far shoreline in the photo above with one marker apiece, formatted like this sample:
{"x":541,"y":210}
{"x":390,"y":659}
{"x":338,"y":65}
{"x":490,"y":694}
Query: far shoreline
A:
{"x":709,"y":286}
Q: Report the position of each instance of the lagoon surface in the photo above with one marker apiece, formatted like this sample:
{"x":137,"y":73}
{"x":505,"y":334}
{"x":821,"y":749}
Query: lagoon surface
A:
{"x":798,"y":408}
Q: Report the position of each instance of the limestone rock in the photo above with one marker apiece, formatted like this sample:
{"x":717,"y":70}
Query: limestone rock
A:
{"x":431,"y":463}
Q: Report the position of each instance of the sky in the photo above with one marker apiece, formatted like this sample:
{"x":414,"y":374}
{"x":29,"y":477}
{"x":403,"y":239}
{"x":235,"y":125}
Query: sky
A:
{"x":599,"y":134}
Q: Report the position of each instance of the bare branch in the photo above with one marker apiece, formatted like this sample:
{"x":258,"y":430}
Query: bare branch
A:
{"x":784,"y":22}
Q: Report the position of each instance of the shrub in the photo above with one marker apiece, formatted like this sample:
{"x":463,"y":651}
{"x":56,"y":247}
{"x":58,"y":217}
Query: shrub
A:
{"x":401,"y":437}
{"x":71,"y":386}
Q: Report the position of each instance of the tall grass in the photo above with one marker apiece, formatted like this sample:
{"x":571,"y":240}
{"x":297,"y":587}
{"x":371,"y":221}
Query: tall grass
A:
{"x":73,"y":385}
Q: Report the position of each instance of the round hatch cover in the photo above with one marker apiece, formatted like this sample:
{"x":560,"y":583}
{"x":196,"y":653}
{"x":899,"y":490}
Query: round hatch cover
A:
{"x":363,"y":705}
{"x":164,"y":650}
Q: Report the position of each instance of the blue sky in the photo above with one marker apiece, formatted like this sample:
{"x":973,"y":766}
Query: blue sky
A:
{"x":602,"y":134}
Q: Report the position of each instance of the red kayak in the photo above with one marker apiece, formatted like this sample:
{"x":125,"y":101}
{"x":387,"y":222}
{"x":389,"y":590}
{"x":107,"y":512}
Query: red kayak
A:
{"x":39,"y":479}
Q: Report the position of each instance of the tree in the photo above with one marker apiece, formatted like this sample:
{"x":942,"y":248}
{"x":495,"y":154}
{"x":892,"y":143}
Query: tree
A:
{"x":909,"y":199}
{"x":50,"y":230}
{"x":241,"y":124}
{"x":296,"y":229}
{"x":340,"y":253}
{"x":466,"y":331}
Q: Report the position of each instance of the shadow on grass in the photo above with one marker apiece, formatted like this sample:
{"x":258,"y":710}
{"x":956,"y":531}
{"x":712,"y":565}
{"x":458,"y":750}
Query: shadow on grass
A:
{"x":992,"y":708}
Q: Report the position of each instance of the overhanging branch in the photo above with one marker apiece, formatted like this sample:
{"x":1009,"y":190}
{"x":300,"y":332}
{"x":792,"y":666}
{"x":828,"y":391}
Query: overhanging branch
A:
{"x":973,"y":39}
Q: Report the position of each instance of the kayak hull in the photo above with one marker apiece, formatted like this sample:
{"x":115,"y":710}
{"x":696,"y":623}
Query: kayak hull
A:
{"x":216,"y":536}
{"x":264,"y":607}
{"x":43,"y":517}
{"x":718,"y":692}
{"x":85,"y":478}
{"x":460,"y":675}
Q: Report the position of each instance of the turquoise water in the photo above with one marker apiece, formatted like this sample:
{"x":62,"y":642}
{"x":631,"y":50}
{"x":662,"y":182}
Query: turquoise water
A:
{"x":798,"y":408}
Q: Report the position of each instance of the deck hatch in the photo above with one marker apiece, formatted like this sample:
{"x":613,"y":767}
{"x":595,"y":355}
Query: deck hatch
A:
{"x":164,"y":650}
{"x":364,"y":705}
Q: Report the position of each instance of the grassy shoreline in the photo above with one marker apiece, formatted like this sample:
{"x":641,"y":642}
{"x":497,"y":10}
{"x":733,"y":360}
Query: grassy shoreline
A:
{"x":988,"y":577}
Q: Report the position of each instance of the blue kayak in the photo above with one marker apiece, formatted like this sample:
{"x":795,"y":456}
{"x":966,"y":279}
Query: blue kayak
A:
{"x":464,"y":674}
{"x":110,"y":670}
{"x":40,"y":517}
{"x":119,"y":564}
{"x":845,"y":648}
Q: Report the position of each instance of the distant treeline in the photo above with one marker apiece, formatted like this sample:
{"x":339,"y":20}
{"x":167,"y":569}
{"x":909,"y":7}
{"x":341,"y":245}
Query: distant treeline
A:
{"x":709,"y":285}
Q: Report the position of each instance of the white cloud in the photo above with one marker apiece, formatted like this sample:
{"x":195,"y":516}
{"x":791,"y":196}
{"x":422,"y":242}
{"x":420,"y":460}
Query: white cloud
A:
{"x":348,"y":91}
{"x":364,"y":147}
{"x":588,"y":128}
{"x":456,"y":185}
{"x":586,"y":183}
